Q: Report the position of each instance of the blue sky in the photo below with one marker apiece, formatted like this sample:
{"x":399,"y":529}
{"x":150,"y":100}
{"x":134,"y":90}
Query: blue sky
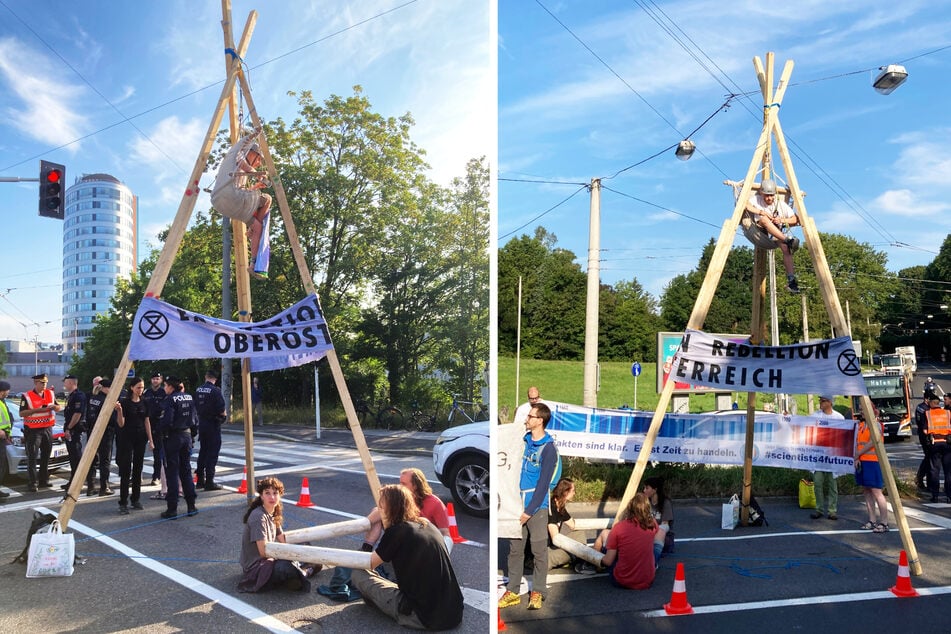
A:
{"x":429,"y":57}
{"x":563,"y":116}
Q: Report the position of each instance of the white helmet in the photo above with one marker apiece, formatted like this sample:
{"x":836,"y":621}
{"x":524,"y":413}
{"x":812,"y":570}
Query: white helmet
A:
{"x":768,"y":186}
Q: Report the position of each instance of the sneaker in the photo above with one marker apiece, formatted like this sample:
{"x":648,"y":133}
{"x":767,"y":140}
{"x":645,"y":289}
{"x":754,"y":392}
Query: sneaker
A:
{"x":535,"y":600}
{"x":214,"y":486}
{"x":4,"y":494}
{"x":815,"y":515}
{"x":792,"y":285}
{"x":138,"y":506}
{"x":154,"y":482}
{"x":90,"y":491}
{"x":123,"y":509}
{"x":584,"y":568}
{"x":169,"y":515}
{"x":32,"y":488}
{"x":833,"y":516}
{"x":192,"y":511}
{"x":792,"y":243}
{"x":106,"y":491}
{"x":509,"y":599}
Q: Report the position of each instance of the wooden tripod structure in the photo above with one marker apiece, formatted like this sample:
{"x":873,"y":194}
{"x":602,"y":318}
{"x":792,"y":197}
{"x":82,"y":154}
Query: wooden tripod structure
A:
{"x":772,"y":99}
{"x":235,"y":78}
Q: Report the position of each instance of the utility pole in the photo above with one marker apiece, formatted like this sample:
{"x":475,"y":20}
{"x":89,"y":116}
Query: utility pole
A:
{"x":593,"y":298}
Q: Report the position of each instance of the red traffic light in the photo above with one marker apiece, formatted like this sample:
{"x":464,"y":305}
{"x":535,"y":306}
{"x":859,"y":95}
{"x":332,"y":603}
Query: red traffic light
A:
{"x":54,"y":176}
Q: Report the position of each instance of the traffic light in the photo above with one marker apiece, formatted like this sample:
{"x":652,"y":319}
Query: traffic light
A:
{"x":52,"y":179}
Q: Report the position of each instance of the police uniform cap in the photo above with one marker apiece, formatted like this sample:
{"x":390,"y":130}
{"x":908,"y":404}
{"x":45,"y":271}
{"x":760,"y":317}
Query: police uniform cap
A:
{"x":41,"y":377}
{"x":157,"y":375}
{"x":929,"y":394}
{"x":174,"y":381}
{"x":69,"y":376}
{"x":4,"y":386}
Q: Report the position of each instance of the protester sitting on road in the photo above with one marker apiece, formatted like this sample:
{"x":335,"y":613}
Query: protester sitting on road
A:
{"x":630,"y":546}
{"x":868,"y":475}
{"x":430,"y":507}
{"x":262,"y":524}
{"x":663,"y":512}
{"x":426,"y":594}
{"x":560,"y":521}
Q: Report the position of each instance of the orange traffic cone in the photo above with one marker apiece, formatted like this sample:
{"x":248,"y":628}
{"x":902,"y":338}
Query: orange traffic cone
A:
{"x":304,"y":494}
{"x":244,"y":482}
{"x":678,"y":598}
{"x":902,"y":587}
{"x":453,"y":527}
{"x":502,"y":627}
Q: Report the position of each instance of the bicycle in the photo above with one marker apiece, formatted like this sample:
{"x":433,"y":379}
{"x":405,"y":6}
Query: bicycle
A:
{"x":387,"y":417}
{"x":482,"y":413}
{"x":420,"y":420}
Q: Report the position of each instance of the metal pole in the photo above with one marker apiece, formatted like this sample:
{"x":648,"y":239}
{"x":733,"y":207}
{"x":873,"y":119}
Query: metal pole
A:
{"x":518,"y":343}
{"x":591,"y":305}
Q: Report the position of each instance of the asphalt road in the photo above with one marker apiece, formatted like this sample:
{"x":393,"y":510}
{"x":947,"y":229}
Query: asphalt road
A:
{"x":144,"y":573}
{"x":796,"y":575}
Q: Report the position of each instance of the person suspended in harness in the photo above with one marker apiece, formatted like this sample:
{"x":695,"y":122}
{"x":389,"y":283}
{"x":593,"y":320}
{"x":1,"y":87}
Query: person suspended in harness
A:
{"x":236,"y":195}
{"x":767,"y":213}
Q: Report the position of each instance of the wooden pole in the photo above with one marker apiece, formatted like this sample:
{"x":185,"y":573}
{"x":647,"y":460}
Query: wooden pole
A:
{"x":318,"y":555}
{"x":159,"y":276}
{"x":325,"y":531}
{"x":294,"y":240}
{"x":240,"y":244}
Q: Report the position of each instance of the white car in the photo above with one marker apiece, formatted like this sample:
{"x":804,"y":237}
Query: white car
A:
{"x":16,"y":452}
{"x":461,"y":462}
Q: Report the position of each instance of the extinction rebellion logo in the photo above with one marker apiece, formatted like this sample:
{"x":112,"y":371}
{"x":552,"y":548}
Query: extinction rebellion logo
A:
{"x":153,"y":325}
{"x":849,"y":363}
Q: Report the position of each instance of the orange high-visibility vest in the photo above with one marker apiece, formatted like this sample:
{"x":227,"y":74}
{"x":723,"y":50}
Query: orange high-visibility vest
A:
{"x":36,"y":401}
{"x":939,"y":424}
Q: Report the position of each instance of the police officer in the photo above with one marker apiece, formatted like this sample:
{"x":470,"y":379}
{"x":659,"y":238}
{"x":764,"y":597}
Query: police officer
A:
{"x":178,"y":423}
{"x":74,"y":423}
{"x":939,"y":430}
{"x":94,"y":404}
{"x":154,"y":396}
{"x":210,"y":405}
{"x":923,"y":477}
{"x":6,"y":427}
{"x":38,"y":408}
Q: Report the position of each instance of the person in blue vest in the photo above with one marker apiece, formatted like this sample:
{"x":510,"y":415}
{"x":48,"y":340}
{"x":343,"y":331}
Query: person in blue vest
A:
{"x":178,"y":424}
{"x":6,"y":427}
{"x":540,"y":469}
{"x":210,"y":406}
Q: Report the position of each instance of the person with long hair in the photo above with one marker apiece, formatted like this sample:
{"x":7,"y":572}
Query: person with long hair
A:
{"x":630,"y":546}
{"x":426,"y":594}
{"x":263,"y":523}
{"x":134,"y":433}
{"x":663,"y":512}
{"x":560,"y":521}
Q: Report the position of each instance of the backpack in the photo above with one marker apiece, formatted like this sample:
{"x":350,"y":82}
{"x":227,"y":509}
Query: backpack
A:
{"x":757,"y":514}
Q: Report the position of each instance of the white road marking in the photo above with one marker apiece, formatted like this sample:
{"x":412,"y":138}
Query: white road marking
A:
{"x":237,"y":606}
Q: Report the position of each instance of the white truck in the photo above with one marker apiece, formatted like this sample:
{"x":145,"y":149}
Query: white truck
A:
{"x":909,"y":360}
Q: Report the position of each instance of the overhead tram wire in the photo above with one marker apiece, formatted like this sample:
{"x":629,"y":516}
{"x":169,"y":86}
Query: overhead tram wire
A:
{"x":841,"y":192}
{"x":128,"y":119}
{"x":655,"y":205}
{"x":94,"y":89}
{"x":550,"y":209}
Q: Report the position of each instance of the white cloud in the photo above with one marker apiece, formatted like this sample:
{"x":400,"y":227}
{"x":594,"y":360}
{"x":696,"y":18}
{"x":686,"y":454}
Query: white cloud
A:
{"x":905,"y":202}
{"x":44,"y":111}
{"x":169,"y":139}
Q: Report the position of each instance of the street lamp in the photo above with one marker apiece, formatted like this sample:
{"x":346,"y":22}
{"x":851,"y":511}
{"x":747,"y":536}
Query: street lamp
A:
{"x":891,"y":77}
{"x":685,"y":149}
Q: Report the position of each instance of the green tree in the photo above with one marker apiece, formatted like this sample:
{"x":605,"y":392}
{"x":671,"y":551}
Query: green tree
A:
{"x":628,"y":323}
{"x":464,"y":329}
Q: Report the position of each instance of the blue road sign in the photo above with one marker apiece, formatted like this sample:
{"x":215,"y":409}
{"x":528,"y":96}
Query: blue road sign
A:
{"x":636,"y":368}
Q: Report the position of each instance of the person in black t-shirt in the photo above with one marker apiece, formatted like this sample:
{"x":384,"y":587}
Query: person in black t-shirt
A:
{"x":135,"y":431}
{"x":426,"y":594}
{"x":73,"y":418}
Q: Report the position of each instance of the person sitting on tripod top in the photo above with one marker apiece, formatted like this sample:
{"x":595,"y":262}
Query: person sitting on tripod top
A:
{"x":772,"y":215}
{"x":236,"y":196}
